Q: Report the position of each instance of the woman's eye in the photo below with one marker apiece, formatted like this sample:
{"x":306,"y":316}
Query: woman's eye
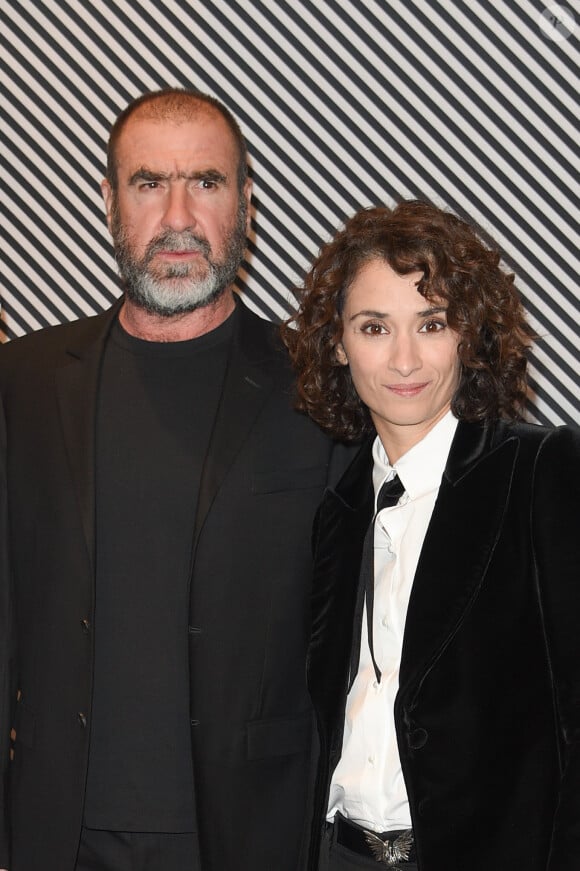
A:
{"x":373,"y":329}
{"x":433,"y":326}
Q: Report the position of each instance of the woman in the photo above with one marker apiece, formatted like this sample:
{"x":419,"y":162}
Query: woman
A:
{"x":444,"y":661}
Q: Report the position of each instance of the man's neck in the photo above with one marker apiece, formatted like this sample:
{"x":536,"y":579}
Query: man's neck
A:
{"x":142,"y":324}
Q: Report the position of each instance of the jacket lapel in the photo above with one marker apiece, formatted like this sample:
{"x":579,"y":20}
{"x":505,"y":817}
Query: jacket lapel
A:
{"x":247,"y":386}
{"x":464,"y":528}
{"x":339,"y":531}
{"x":77,"y":389}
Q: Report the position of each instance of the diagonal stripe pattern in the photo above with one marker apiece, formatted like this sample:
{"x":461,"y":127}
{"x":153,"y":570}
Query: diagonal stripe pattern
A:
{"x":472,"y":104}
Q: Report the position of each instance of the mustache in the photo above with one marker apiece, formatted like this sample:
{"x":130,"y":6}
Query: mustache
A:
{"x":170,"y":240}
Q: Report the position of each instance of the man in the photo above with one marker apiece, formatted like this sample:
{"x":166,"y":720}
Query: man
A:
{"x":161,"y":491}
{"x":444,"y":664}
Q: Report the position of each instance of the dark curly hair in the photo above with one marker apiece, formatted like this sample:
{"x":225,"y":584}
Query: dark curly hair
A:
{"x":483,"y":307}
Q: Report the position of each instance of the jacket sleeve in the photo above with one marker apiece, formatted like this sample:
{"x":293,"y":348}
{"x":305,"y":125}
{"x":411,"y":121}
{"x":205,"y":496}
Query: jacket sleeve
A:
{"x":6,"y":654}
{"x":556,"y":530}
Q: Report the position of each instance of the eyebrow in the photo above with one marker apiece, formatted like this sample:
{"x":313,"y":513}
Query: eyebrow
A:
{"x":370,"y":313}
{"x":144,"y":174}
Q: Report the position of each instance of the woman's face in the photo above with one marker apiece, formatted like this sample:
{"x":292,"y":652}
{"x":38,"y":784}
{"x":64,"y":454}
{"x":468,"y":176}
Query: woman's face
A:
{"x":401,"y":354}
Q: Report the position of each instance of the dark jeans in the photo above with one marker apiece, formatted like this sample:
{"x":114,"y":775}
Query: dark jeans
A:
{"x":137,"y":851}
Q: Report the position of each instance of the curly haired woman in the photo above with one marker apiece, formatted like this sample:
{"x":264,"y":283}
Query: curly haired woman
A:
{"x":444,"y":662}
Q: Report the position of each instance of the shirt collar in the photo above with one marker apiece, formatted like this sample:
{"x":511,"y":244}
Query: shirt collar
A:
{"x":421,"y":468}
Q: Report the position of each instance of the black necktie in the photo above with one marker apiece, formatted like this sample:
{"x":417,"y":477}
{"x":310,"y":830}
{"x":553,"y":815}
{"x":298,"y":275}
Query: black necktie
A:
{"x":389,"y":495}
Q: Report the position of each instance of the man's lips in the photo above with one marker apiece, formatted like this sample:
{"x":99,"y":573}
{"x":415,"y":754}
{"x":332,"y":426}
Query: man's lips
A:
{"x":179,"y":255}
{"x":407,"y":389}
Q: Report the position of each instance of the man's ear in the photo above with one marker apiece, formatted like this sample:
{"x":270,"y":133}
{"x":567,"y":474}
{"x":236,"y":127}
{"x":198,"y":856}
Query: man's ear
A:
{"x":341,"y":355}
{"x":108,"y":198}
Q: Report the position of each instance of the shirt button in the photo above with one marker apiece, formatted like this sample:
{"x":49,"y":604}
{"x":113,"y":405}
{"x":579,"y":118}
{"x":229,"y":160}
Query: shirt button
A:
{"x":385,"y":622}
{"x":371,"y":760}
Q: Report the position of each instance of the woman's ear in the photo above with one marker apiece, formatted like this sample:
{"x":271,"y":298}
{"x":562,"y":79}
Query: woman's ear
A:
{"x":341,"y":355}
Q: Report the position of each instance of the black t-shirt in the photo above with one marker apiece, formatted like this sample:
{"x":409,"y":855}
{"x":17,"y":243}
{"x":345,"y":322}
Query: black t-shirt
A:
{"x":156,"y":407}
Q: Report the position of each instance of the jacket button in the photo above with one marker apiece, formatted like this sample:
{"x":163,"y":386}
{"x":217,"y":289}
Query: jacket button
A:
{"x":86,"y":626}
{"x":82,"y":720}
{"x":194,"y":722}
{"x":417,"y":738}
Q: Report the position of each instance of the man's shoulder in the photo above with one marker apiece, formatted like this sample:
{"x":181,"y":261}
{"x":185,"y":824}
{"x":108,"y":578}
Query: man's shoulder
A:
{"x":258,"y":325}
{"x":261,"y":341}
{"x":31,"y":347}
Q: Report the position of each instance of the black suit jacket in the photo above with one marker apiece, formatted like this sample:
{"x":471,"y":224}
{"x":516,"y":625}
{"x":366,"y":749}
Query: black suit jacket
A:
{"x":262,"y":480}
{"x":488,"y":709}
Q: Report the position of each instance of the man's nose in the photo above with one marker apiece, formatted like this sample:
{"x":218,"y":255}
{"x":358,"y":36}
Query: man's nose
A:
{"x":179,"y":214}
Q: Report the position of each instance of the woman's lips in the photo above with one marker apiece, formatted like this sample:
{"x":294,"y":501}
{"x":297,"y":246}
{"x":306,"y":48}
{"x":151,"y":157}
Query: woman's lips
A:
{"x":407,"y":389}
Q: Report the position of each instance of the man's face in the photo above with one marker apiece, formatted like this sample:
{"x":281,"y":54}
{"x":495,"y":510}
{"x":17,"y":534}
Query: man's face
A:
{"x":178,"y":221}
{"x":401,"y":353}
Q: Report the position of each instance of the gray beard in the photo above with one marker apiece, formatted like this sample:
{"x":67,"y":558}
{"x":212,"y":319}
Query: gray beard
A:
{"x":178,"y":288}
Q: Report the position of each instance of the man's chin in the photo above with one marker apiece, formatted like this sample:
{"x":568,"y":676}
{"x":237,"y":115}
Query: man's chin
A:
{"x":172,"y":300}
{"x":196,"y":270}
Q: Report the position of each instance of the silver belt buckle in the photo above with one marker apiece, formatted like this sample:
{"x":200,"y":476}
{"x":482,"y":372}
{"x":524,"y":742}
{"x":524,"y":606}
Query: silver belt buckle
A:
{"x":390,"y":852}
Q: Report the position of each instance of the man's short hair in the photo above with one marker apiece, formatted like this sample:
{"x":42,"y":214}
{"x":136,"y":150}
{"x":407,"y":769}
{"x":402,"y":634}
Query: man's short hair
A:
{"x":176,"y":104}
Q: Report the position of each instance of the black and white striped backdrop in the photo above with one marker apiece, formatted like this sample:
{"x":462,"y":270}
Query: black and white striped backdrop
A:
{"x":472,"y":104}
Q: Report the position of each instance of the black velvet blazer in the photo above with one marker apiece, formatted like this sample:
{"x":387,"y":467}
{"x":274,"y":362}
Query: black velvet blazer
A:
{"x":488,"y":709}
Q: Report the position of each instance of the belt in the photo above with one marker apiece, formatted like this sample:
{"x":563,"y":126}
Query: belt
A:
{"x":391,"y":848}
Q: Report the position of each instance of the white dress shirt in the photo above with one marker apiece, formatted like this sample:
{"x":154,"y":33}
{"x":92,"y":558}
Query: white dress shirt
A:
{"x":368,"y":786}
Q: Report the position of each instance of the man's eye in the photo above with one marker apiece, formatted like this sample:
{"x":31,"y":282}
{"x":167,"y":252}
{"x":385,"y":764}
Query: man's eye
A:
{"x":148,"y":185}
{"x":207,"y":184}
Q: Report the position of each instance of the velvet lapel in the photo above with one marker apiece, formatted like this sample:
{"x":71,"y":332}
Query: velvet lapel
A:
{"x":340,"y":527}
{"x":77,"y":388}
{"x":460,"y":540}
{"x":246,"y":389}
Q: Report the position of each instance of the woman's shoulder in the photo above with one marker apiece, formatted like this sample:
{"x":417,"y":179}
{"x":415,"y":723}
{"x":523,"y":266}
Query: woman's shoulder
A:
{"x":537,"y":435}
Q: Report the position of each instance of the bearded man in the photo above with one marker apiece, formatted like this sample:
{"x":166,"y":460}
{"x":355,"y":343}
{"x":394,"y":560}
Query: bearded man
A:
{"x":161,"y":489}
